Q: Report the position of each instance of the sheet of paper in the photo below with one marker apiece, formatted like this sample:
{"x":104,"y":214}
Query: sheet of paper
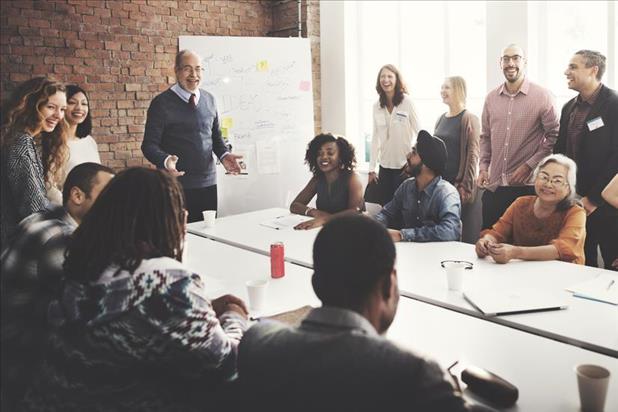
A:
{"x":290,"y":314}
{"x":268,"y":157}
{"x":262,"y":66}
{"x":227,"y":122}
{"x":304,"y":86}
{"x":603,"y":288}
{"x":285,"y":222}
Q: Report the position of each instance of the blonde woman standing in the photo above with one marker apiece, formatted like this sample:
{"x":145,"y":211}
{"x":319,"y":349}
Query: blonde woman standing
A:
{"x":395,"y":127}
{"x":460,"y":130}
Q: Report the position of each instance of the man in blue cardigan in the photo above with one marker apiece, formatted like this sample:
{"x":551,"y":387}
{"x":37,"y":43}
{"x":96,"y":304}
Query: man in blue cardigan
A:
{"x":182,"y":132}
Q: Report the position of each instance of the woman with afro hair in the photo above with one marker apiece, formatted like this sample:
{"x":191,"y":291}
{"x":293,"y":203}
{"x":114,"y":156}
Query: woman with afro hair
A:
{"x":339,"y":190}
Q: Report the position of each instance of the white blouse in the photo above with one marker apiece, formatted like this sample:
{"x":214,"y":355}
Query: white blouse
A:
{"x":81,"y":151}
{"x":394,"y":134}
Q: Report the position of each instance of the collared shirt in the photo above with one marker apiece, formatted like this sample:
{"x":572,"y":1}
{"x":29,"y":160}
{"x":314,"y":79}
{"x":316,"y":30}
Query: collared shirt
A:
{"x":394,"y":134}
{"x":332,"y":318}
{"x":31,"y":278}
{"x":185,"y":95}
{"x":517,"y":129}
{"x":431,"y":215}
{"x":335,"y":360}
{"x":577,"y":121}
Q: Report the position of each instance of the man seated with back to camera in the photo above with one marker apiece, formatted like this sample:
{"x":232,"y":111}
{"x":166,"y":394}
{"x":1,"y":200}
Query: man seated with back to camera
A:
{"x":425,"y":208}
{"x":337,"y":360}
{"x":32,"y":276}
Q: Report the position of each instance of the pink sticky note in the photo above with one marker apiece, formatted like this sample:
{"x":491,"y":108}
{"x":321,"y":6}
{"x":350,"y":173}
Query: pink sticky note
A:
{"x":304,"y":85}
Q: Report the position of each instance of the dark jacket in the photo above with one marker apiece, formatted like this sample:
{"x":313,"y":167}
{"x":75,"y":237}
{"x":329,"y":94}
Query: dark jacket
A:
{"x":336,"y":361}
{"x":597,"y":154}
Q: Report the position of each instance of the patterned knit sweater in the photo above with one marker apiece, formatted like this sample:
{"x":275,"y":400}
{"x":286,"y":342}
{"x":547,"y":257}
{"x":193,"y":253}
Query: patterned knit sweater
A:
{"x":146,"y":341}
{"x":22,"y":185}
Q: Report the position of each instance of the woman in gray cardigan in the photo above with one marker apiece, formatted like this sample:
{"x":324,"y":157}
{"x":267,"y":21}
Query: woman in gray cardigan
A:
{"x":33,"y":116}
{"x":460,"y":130}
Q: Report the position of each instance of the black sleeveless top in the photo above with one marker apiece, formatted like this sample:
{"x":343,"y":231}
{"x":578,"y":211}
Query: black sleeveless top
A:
{"x":336,"y":199}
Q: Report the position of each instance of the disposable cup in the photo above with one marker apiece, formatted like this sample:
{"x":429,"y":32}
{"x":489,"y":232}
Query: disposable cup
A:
{"x":592,"y":381}
{"x":209,"y":217}
{"x":256,"y":290}
{"x":455,"y":273}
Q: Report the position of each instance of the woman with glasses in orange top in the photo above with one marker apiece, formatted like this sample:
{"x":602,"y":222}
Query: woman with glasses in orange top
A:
{"x":547,"y":226}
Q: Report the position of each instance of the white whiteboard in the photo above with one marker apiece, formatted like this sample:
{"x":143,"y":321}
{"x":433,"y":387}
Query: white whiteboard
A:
{"x":264,"y":97}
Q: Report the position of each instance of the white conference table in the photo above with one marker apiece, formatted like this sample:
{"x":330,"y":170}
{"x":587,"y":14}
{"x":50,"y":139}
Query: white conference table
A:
{"x":542,"y":369}
{"x":226,"y":269}
{"x":587,"y":324}
{"x":244,"y":231}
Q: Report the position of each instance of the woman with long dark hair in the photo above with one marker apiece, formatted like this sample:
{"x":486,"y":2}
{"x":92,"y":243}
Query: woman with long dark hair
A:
{"x":33,"y":140}
{"x":133,"y":329}
{"x":82,"y":147}
{"x":395,"y":127}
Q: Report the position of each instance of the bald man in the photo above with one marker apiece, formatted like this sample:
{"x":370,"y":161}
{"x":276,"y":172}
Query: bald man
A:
{"x":182,"y":133}
{"x":519,"y":128}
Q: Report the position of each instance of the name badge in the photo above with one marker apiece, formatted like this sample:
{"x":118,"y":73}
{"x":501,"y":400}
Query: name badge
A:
{"x":595,"y":123}
{"x":401,"y":117}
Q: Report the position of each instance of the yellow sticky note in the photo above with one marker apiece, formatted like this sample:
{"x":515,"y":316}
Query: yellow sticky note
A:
{"x":227,"y":122}
{"x":262,"y":66}
{"x":224,"y":132}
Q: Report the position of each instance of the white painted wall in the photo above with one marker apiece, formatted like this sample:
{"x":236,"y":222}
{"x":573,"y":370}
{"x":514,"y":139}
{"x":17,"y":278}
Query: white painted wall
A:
{"x":507,"y":22}
{"x":332,"y":55}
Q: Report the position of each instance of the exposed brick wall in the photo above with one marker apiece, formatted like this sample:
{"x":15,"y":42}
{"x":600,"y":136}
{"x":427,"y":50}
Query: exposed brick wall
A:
{"x":121,"y":52}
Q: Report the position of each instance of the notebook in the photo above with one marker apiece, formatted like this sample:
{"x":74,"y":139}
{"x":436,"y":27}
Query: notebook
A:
{"x":603,"y":288}
{"x":510,"y":302}
{"x":285,"y":222}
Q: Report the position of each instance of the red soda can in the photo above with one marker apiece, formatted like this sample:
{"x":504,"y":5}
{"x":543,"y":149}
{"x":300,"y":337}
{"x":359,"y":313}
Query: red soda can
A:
{"x":277,"y":268}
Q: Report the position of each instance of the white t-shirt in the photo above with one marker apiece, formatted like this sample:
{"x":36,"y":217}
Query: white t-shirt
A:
{"x":394,"y":134}
{"x":81,"y":151}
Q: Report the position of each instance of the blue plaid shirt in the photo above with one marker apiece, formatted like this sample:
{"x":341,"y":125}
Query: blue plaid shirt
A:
{"x":431,"y":215}
{"x":31,"y":278}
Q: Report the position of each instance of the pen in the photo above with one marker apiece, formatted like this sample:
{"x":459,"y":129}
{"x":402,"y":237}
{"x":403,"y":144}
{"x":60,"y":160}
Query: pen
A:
{"x":610,"y":284}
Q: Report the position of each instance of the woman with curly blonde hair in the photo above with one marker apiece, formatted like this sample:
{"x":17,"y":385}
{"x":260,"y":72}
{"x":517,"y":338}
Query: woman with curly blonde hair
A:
{"x":32,"y":117}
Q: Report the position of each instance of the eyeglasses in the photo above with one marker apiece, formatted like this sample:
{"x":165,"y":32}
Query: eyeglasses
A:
{"x":516,"y":59}
{"x":191,"y":69}
{"x":556,"y":181}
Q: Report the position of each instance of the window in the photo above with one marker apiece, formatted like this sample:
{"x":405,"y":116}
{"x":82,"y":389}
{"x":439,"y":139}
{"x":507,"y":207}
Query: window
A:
{"x":563,"y":28}
{"x":429,"y":40}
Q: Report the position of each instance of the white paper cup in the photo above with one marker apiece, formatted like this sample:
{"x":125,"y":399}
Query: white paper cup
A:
{"x":592,"y":381}
{"x":455,"y":275}
{"x":209,"y":217}
{"x":257,"y":293}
